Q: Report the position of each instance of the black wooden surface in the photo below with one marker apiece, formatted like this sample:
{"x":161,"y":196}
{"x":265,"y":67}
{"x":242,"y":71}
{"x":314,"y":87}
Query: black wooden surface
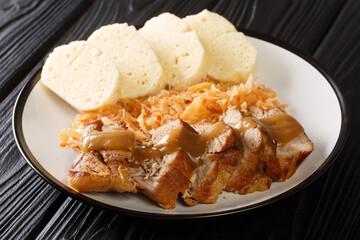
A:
{"x":327,"y":209}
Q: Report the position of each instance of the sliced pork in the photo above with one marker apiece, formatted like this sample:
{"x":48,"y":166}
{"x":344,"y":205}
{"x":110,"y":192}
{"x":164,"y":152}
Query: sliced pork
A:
{"x":222,"y":155}
{"x":292,"y":153}
{"x":259,"y":165}
{"x":242,"y":153}
{"x":164,"y":177}
{"x":91,"y":173}
{"x":162,"y":180}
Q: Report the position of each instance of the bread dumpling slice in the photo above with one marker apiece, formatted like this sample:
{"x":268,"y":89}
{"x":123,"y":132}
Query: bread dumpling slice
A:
{"x":209,"y":25}
{"x":82,"y":75}
{"x":179,"y":49}
{"x":140,"y":70}
{"x":231,"y":56}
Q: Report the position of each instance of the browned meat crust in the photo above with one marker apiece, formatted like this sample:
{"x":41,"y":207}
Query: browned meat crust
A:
{"x":91,"y":173}
{"x":201,"y":182}
{"x":171,"y":179}
{"x":228,"y":160}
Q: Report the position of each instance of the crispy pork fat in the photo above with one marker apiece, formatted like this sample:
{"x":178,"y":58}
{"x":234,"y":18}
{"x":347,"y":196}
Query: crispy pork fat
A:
{"x":106,"y":171}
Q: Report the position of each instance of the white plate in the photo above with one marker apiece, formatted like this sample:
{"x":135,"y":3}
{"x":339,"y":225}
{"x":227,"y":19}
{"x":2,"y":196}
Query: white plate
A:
{"x":313,"y":100}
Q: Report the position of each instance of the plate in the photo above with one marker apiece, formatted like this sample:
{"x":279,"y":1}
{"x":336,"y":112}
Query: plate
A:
{"x":313,"y":98}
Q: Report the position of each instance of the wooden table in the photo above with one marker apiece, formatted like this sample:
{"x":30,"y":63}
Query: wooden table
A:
{"x":30,"y":208}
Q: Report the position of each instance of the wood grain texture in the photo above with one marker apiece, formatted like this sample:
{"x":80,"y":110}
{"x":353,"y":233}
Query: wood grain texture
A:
{"x":78,"y":221}
{"x":26,"y":29}
{"x":32,"y":209}
{"x":26,"y":200}
{"x":337,"y":211}
{"x":300,"y":23}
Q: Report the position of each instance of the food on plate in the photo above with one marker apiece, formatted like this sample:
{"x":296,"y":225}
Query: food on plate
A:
{"x":200,"y":130}
{"x":179,"y":49}
{"x":139,"y":68}
{"x":80,"y":65}
{"x":293,"y":145}
{"x":231,"y":56}
{"x":101,"y":171}
{"x":198,"y":141}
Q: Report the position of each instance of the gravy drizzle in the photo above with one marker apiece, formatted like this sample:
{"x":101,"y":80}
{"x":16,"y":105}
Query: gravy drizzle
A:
{"x":245,"y":124}
{"x":185,"y":139}
{"x":115,"y":139}
{"x":282,"y":128}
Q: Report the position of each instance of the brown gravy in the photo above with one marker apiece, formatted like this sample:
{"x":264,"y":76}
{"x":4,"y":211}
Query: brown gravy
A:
{"x":282,"y":128}
{"x":143,"y":153}
{"x":114,"y":139}
{"x":245,"y":124}
{"x":185,"y":139}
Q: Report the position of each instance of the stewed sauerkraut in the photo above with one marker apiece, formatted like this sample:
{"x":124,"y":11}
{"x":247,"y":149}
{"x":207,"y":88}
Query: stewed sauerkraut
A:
{"x":203,"y":102}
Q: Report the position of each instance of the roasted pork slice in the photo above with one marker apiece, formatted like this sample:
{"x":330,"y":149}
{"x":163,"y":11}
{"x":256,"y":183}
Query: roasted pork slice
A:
{"x":218,"y":137}
{"x":93,"y":125}
{"x":165,"y":174}
{"x":175,"y":128}
{"x":163,"y":179}
{"x":109,"y":125}
{"x":259,"y":165}
{"x":91,"y":173}
{"x":202,"y":180}
{"x":176,"y":140}
{"x":249,"y":176}
{"x":228,"y":161}
{"x":223,"y":152}
{"x":293,"y":145}
{"x":104,"y":124}
{"x":232,"y":116}
{"x":293,"y":154}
